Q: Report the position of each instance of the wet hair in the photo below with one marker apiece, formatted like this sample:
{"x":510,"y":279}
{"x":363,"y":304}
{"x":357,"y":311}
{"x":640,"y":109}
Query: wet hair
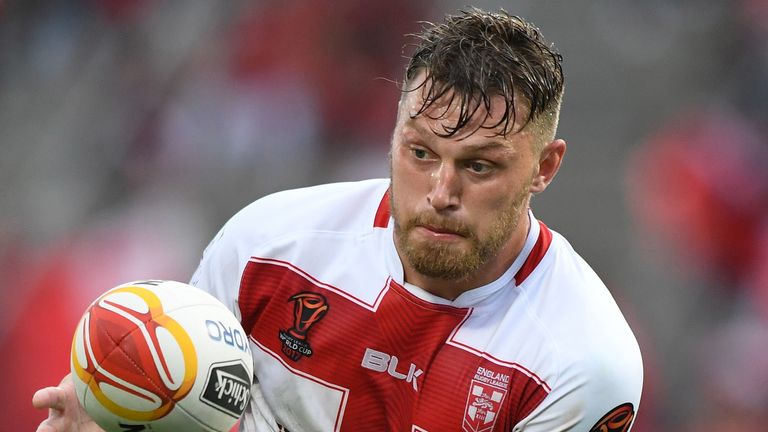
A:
{"x":475,"y":55}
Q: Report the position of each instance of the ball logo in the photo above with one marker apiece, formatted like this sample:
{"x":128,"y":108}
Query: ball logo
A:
{"x":228,"y":388}
{"x":125,"y":351}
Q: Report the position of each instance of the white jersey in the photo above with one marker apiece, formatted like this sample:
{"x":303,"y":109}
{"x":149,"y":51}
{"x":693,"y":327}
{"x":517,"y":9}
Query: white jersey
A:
{"x":342,"y":343}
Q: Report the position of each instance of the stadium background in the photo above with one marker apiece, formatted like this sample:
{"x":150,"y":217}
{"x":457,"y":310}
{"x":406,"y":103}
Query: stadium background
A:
{"x":131,"y":130}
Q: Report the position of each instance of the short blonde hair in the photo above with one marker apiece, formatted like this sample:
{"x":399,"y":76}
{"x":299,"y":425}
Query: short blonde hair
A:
{"x":478,"y":55}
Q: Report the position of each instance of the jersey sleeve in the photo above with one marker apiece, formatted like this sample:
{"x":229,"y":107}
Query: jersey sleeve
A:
{"x":219,"y":270}
{"x":599,"y":395}
{"x":226,"y":256}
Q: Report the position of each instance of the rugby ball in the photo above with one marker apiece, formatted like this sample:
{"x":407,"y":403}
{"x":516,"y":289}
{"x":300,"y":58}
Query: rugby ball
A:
{"x":161,"y":356}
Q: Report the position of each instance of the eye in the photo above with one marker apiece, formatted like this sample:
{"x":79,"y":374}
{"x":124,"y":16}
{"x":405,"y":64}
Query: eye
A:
{"x":419,"y":153}
{"x":479,"y":167}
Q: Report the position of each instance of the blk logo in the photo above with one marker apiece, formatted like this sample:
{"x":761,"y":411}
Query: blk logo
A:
{"x":308,"y":309}
{"x":382,"y":362}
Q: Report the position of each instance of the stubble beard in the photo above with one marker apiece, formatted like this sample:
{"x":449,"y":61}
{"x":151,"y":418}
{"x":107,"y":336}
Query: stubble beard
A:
{"x":447,"y":261}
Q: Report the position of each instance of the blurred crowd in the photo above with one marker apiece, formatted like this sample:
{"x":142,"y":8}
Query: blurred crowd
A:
{"x":132,"y":129}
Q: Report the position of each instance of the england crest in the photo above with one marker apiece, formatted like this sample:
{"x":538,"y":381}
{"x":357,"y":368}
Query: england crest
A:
{"x":483,"y":406}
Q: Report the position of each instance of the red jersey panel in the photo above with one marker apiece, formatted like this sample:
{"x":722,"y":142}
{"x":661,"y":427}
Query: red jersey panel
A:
{"x":379,"y":353}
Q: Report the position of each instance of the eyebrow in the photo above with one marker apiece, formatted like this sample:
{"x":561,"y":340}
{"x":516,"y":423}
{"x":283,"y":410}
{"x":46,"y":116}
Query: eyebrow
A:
{"x":490,"y":145}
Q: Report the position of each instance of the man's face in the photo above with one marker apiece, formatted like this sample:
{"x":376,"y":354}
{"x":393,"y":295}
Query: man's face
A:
{"x":457,"y":202}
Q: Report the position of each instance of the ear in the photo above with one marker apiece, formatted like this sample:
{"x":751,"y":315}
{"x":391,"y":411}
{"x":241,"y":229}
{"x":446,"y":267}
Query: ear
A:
{"x":549,"y":164}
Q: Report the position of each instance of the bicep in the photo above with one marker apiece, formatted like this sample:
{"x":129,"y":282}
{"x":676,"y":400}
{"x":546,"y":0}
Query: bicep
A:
{"x":604,"y":397}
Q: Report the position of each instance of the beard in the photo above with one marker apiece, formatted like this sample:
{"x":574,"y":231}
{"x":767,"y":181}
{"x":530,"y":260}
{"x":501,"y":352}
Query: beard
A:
{"x":447,"y":260}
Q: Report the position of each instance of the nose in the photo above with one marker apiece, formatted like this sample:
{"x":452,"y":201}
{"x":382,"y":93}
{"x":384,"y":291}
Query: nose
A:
{"x":446,"y":188}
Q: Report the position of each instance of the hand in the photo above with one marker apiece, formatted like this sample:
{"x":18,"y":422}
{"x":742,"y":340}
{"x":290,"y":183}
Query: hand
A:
{"x":64,"y":411}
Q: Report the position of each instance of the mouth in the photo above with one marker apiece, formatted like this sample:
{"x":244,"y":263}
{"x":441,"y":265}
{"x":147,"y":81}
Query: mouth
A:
{"x":440,"y":232}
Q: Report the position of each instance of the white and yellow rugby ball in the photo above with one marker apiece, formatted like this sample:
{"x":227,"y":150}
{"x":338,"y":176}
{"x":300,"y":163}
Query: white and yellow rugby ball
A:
{"x":161,"y":356}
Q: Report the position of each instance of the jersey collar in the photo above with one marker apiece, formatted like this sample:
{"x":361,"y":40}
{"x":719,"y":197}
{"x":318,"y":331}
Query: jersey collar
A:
{"x":536,"y":244}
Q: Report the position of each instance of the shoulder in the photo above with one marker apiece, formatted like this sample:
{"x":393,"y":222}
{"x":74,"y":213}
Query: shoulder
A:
{"x":599,"y":364}
{"x":580,"y":312}
{"x":340,"y":207}
{"x":287,"y":221}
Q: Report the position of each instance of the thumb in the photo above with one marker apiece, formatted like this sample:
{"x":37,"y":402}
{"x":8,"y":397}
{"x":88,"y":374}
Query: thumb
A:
{"x":49,"y":397}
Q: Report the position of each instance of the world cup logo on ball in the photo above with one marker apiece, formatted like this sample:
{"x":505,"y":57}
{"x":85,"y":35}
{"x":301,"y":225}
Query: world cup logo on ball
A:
{"x":308,"y":309}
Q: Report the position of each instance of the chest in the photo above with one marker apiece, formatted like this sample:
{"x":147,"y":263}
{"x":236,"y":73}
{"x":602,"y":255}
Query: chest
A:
{"x":330,"y":358}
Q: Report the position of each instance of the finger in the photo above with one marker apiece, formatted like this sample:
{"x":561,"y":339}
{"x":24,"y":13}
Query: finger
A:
{"x":45,"y":427}
{"x":49,"y":397}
